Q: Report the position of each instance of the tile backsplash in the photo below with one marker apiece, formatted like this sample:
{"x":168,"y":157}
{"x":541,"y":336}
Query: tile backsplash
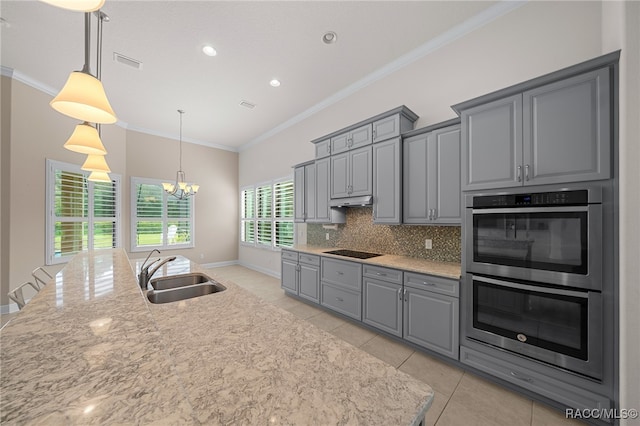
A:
{"x":359,"y":233}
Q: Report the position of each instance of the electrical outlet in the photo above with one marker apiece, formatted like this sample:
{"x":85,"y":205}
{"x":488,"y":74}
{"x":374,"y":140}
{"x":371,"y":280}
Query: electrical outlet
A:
{"x":428,"y":244}
{"x":327,"y":236}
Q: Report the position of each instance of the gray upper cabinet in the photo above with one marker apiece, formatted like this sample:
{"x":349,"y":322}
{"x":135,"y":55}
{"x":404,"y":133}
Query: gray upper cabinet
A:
{"x":393,"y":126}
{"x":567,"y":130}
{"x":492,"y":145}
{"x":443,"y":183}
{"x":351,"y":173}
{"x":324,"y":213}
{"x":310,"y":192}
{"x":555,"y":133}
{"x":323,"y":148}
{"x":387,"y":182}
{"x":352,"y":139}
{"x":298,"y":194}
{"x":431,"y":177}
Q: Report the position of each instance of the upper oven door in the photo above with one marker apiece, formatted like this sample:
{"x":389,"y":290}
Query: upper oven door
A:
{"x":553,"y":245}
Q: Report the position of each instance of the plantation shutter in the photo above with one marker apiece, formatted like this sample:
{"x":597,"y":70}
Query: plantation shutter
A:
{"x":248,"y":225}
{"x":264,"y":214}
{"x":283,"y":214}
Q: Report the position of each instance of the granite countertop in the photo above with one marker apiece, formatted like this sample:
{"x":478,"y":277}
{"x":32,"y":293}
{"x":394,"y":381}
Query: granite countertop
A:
{"x":412,"y":264}
{"x":95,"y":351}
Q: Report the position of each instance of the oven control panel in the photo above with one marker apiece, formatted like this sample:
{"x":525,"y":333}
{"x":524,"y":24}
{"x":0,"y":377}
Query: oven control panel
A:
{"x":539,"y":199}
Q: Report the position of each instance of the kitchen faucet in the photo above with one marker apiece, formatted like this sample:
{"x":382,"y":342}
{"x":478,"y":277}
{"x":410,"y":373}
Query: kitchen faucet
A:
{"x":145,"y":275}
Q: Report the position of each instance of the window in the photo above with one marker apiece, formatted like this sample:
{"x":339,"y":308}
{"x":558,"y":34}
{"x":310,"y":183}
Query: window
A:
{"x":159,"y":220}
{"x":267,"y":215}
{"x":83,"y":215}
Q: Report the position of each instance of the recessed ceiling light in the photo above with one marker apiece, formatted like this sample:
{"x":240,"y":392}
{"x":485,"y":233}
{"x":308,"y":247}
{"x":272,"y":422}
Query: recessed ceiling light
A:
{"x":209,"y":50}
{"x":274,"y":83}
{"x":329,"y":37}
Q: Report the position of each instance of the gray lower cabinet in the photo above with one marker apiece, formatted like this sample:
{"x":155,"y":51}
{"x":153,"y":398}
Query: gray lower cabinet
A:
{"x":430,"y":314}
{"x":341,"y":287}
{"x":301,"y":274}
{"x":382,"y":299}
{"x":431,"y":177}
{"x":351,"y":173}
{"x":387,"y":182}
{"x":556,"y":133}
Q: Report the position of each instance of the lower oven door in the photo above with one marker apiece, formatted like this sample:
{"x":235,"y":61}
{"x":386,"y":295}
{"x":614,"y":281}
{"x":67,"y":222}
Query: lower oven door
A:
{"x":555,"y":325}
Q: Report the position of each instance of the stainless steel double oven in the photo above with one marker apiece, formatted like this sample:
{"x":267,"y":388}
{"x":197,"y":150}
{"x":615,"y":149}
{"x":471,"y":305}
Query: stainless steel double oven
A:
{"x":534,"y":273}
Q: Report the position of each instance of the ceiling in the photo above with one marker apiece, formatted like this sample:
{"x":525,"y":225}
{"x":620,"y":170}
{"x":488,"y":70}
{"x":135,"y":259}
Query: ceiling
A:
{"x":255,"y":42}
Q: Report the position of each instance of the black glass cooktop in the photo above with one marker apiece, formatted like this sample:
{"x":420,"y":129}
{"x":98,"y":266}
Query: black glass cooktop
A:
{"x":353,"y":253}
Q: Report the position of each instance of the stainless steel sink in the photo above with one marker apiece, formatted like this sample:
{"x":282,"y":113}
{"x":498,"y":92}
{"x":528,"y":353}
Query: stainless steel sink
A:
{"x":175,"y":281}
{"x":184,"y":292}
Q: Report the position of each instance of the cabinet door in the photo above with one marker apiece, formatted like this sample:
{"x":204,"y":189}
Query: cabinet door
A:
{"x":340,"y":175}
{"x":360,"y":137}
{"x":492,"y":145}
{"x":340,"y":143}
{"x":382,"y":305}
{"x":309,"y":282}
{"x":322,"y":191}
{"x":289,"y":276}
{"x":414,"y":179}
{"x":360,"y":171}
{"x":386,"y":128}
{"x":323,"y":148}
{"x":310,"y":192}
{"x":298,"y":194}
{"x":387,"y":177}
{"x":567,"y":130}
{"x":431,"y":321}
{"x":443,"y":183}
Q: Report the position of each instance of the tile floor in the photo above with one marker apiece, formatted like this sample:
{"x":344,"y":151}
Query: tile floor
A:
{"x":461,"y":398}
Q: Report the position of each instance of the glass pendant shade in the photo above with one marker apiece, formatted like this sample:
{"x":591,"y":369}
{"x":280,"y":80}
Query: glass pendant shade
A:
{"x":85,"y":140}
{"x":83,"y":97}
{"x":96,"y":163}
{"x":76,"y":5}
{"x":99,"y":177}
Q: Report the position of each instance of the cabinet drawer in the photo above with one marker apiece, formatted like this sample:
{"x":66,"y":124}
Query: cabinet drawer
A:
{"x":309,"y":259}
{"x":381,"y":273}
{"x":342,"y":273}
{"x":289,"y":255}
{"x":344,"y":301}
{"x":564,"y":393}
{"x":436,"y":284}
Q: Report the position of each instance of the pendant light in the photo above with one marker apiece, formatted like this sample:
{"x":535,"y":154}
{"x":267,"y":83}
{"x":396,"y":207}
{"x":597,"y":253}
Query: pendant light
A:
{"x":95,"y":163}
{"x":85,"y":140}
{"x":83,"y":95}
{"x":99,"y":177}
{"x":180,"y":189}
{"x":76,"y":5}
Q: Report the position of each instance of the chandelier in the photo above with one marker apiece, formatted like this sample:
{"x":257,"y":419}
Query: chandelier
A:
{"x":180,"y":189}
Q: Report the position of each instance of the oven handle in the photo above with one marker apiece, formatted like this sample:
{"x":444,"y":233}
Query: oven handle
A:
{"x":532,"y":210}
{"x":548,"y":290}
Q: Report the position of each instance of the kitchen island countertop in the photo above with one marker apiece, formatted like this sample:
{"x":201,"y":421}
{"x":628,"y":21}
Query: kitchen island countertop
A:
{"x":90,"y":349}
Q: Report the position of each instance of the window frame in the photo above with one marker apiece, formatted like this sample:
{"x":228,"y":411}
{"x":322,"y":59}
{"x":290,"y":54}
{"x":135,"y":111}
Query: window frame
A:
{"x":135,"y":180}
{"x":272,"y":219}
{"x":50,"y":200}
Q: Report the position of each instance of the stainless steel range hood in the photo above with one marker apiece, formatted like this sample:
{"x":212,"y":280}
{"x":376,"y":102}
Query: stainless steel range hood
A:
{"x":365,"y":200}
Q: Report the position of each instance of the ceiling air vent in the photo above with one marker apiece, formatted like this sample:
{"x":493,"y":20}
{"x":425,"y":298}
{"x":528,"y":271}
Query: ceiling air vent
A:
{"x":130,"y":62}
{"x":247,"y":104}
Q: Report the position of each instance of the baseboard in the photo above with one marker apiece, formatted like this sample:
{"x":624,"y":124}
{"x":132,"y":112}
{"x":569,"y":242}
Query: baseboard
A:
{"x":219,"y":264}
{"x":9,"y":309}
{"x":262,"y":270}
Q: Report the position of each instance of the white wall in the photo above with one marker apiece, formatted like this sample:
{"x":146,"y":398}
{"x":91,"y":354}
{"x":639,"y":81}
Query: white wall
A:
{"x":530,"y":41}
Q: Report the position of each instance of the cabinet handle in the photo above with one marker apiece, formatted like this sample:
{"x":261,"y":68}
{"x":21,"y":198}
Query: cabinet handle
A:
{"x":519,"y":173}
{"x":428,"y":283}
{"x":329,"y":149}
{"x":374,"y":133}
{"x":435,"y":214}
{"x":400,"y":294}
{"x":381,"y":274}
{"x":349,"y":141}
{"x":405,"y":294}
{"x":526,"y":172}
{"x":519,"y":377}
{"x":340,"y":273}
{"x":340,"y":299}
